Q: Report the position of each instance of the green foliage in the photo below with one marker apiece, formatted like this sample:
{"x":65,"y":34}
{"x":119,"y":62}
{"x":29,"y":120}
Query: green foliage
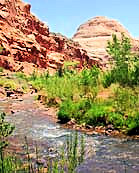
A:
{"x":89,"y":77}
{"x":6,"y":129}
{"x":107,"y":79}
{"x":116,"y":119}
{"x":70,"y":63}
{"x":76,"y":93}
{"x":65,"y":111}
{"x":15,"y":82}
{"x":132,"y":124}
{"x":71,"y":155}
{"x":124,"y":103}
{"x":85,"y":111}
{"x":126,"y":107}
{"x":76,"y":110}
{"x":134,"y":73}
{"x":33,"y":75}
{"x":126,"y":100}
{"x":67,"y":85}
{"x":125,"y":68}
{"x":21,"y":75}
{"x":1,"y":48}
{"x":120,"y":50}
{"x":1,"y":69}
{"x":96,"y":115}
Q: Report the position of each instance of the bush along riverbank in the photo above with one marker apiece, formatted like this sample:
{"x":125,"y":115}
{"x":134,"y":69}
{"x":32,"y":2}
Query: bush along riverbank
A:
{"x":94,"y":97}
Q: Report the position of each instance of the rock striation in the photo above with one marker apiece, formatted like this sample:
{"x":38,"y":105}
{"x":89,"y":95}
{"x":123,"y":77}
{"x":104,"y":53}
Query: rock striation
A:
{"x":94,"y":34}
{"x":27,"y":42}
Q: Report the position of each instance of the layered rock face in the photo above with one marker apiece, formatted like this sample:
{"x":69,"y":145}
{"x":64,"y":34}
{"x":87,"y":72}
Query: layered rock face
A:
{"x":95,"y":33}
{"x":27,"y":42}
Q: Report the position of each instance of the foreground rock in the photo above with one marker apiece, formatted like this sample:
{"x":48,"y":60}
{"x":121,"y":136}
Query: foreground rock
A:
{"x":28,"y":44}
{"x":95,"y":33}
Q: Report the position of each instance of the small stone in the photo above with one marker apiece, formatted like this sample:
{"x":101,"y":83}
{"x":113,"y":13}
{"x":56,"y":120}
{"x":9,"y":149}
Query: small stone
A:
{"x":51,"y":149}
{"x":110,"y":126}
{"x":90,"y":133}
{"x":41,"y":161}
{"x":71,"y":122}
{"x":9,"y":93}
{"x":12,"y":112}
{"x":95,"y":133}
{"x":88,"y":127}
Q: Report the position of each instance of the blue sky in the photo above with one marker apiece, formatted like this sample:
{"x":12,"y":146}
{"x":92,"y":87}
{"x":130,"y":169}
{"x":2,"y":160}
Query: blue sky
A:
{"x":65,"y":16}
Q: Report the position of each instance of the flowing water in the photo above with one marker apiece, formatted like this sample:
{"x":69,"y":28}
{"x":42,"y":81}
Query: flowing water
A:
{"x":104,"y":154}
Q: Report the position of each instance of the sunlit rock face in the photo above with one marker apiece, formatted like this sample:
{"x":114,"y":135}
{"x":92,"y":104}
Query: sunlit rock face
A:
{"x":27,"y":42}
{"x":94,"y":34}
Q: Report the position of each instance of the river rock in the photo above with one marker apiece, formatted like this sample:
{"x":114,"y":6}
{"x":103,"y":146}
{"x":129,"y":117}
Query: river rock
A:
{"x":9,"y":93}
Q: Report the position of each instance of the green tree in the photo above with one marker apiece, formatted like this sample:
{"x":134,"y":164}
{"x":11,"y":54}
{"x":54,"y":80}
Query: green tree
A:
{"x":120,"y":51}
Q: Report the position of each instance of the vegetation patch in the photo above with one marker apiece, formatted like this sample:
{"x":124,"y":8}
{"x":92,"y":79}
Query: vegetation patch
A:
{"x":77,"y":93}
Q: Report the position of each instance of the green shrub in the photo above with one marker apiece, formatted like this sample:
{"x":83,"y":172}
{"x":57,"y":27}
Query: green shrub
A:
{"x":80,"y":108}
{"x":134,"y":73}
{"x":71,"y":85}
{"x":116,"y":119}
{"x":125,"y":100}
{"x":1,"y":69}
{"x":107,"y":79}
{"x":89,"y":77}
{"x":76,"y":92}
{"x":6,"y":130}
{"x":33,"y":76}
{"x":65,"y":111}
{"x":96,"y":115}
{"x":132,"y":124}
{"x":21,"y":75}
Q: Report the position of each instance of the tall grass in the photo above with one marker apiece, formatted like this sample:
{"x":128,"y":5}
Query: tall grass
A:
{"x":14,"y":82}
{"x":70,"y":156}
{"x":71,"y":85}
{"x":6,"y":129}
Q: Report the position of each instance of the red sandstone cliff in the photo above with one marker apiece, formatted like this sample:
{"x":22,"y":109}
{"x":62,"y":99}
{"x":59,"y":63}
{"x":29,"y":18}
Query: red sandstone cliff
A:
{"x":28,"y":43}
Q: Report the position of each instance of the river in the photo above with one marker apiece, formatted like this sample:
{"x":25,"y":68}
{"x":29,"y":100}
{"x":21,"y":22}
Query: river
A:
{"x":104,"y":154}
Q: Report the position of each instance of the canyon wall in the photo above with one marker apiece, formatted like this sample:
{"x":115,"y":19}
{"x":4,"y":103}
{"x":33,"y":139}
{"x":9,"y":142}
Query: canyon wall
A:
{"x":28,"y":44}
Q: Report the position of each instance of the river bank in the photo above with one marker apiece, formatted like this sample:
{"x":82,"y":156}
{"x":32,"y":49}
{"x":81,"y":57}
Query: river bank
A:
{"x":51,"y":113}
{"x":103,"y":153}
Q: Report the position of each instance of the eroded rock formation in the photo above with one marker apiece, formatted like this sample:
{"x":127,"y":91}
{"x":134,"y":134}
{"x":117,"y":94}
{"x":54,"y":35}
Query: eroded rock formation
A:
{"x":94,"y":34}
{"x":27,"y":42}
